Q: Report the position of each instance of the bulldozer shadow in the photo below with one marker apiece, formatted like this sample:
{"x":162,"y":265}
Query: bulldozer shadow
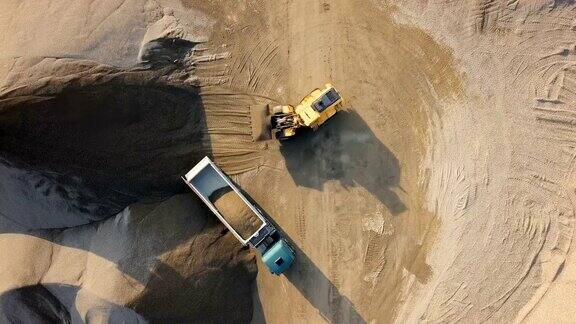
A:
{"x":345,"y":150}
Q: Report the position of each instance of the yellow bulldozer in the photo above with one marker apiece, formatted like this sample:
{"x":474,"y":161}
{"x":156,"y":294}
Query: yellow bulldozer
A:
{"x":283,"y":122}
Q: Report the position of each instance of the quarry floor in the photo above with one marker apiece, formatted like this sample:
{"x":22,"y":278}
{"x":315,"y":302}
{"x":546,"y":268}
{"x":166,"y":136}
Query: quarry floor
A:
{"x":351,"y":195}
{"x":443,"y":192}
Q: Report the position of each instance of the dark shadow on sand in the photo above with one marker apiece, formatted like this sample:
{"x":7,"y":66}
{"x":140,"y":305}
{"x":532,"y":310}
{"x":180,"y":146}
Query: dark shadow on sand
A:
{"x":334,"y":307}
{"x":55,"y":303}
{"x":105,"y":146}
{"x":305,"y":276}
{"x":258,"y":316}
{"x":346,"y":150}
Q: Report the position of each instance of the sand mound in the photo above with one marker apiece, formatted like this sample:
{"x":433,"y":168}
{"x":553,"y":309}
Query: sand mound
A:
{"x":166,"y":262}
{"x":235,"y":211}
{"x":105,"y":113}
{"x":86,"y":133}
{"x":105,"y":146}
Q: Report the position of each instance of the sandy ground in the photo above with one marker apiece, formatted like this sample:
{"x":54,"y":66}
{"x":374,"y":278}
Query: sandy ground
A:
{"x":351,"y":196}
{"x":444,"y":192}
{"x":502,"y":167}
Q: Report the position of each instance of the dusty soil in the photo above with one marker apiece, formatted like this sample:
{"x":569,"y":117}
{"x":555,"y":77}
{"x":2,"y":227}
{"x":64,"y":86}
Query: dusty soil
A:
{"x":236,"y":212}
{"x":351,"y":196}
{"x":444,"y":192}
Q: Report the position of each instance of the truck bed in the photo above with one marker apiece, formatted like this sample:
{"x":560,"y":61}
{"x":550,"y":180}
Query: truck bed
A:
{"x":225,"y":200}
{"x":236,"y":212}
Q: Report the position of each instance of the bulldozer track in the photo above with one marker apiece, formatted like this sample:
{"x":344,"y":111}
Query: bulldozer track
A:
{"x":301,"y":221}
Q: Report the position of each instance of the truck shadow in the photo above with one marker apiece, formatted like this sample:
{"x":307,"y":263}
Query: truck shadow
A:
{"x":329,"y":301}
{"x":307,"y":277}
{"x":346,"y":150}
{"x":258,"y":316}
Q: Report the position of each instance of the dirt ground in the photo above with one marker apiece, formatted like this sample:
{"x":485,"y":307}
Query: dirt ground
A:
{"x":350,"y":196}
{"x":444,"y":192}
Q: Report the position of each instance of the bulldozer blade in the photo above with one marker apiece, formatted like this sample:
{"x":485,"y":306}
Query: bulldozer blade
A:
{"x":260,"y":123}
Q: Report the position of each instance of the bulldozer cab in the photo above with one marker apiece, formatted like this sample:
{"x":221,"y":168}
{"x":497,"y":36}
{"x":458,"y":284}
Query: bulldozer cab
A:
{"x":319,"y":106}
{"x":326,"y":100}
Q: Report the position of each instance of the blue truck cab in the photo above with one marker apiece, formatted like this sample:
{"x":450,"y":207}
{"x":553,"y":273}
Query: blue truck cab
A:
{"x":279,"y":257}
{"x":205,"y":178}
{"x":277,"y":254}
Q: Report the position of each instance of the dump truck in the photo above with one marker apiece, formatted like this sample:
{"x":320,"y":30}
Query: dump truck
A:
{"x":243,"y":218}
{"x":283,"y":122}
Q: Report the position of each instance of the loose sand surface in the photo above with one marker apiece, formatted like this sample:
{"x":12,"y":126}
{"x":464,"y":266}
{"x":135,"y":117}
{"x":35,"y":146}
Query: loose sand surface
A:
{"x":444,"y":192}
{"x":235,"y":211}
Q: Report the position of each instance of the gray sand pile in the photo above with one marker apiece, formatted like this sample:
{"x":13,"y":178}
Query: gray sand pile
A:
{"x":105,"y":145}
{"x":100,"y":108}
{"x":161,"y":262}
{"x":235,"y":211}
{"x":446,"y":194}
{"x":87,"y":128}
